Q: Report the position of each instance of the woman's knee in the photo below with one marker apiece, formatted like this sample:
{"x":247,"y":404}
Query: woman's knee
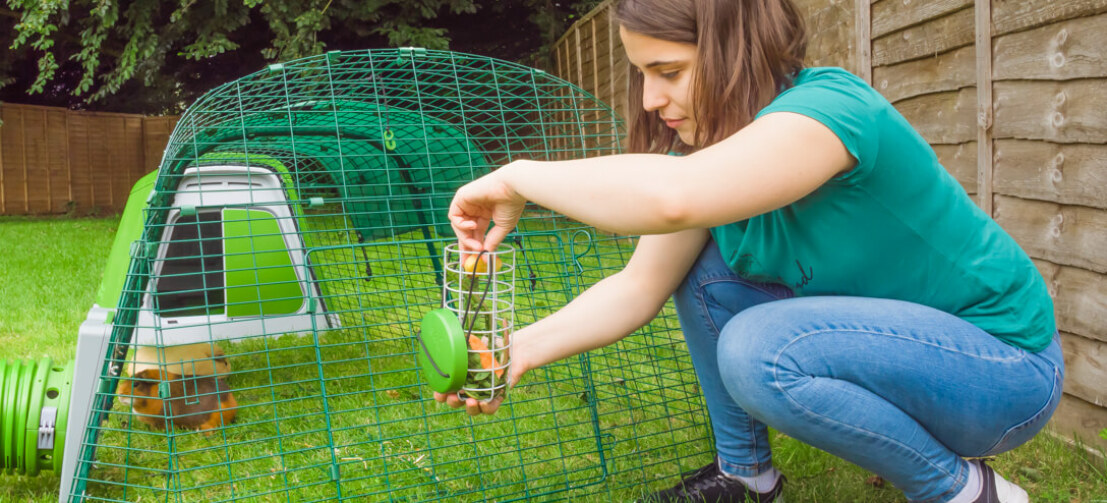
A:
{"x":749,"y":350}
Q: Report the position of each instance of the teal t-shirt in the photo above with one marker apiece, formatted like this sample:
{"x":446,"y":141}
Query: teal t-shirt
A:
{"x":896,"y":226}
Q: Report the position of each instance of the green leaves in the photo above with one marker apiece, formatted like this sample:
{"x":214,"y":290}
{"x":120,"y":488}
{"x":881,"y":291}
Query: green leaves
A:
{"x":120,"y":41}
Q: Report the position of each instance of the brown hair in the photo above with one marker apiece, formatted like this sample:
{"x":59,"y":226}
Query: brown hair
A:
{"x":748,"y":51}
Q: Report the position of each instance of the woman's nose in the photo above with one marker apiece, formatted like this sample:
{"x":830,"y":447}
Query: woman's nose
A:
{"x":652,"y":97}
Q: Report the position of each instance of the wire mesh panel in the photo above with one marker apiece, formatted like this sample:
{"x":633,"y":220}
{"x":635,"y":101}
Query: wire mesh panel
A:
{"x":264,"y":345}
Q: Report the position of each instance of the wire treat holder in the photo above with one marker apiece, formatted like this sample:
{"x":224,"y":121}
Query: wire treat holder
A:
{"x":465,"y":346}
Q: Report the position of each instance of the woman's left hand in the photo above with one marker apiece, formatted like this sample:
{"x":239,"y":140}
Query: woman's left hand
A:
{"x":520,"y":364}
{"x":486,"y":200}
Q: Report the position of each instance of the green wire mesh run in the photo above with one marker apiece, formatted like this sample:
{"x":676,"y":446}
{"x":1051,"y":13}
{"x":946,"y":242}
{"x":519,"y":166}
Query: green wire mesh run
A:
{"x":290,"y":247}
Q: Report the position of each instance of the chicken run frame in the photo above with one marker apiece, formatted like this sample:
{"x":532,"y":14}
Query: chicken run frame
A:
{"x":283,"y":255}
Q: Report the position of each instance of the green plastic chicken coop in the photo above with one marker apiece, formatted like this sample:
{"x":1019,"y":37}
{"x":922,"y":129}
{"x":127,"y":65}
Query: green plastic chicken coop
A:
{"x":292,"y":241}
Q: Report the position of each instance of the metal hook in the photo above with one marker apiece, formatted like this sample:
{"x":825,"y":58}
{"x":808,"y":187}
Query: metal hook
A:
{"x":573,"y":245}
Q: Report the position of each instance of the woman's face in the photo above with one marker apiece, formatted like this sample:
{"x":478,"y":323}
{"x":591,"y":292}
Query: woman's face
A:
{"x":667,"y":69}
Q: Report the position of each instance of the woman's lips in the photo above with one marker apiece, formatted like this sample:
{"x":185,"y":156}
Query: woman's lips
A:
{"x":673,"y":123}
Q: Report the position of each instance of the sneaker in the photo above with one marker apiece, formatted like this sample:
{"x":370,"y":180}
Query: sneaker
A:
{"x":996,"y":489}
{"x":709,"y":485}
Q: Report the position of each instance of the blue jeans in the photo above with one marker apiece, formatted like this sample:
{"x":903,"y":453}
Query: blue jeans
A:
{"x":898,"y":388}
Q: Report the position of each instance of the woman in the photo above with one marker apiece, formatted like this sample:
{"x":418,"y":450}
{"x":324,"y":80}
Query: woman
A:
{"x":831,"y":279}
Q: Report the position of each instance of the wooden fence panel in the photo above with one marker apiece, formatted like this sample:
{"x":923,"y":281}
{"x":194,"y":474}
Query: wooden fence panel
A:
{"x":1084,"y":375}
{"x":155,"y":136}
{"x":14,"y":161}
{"x":960,"y":161}
{"x":951,"y":71}
{"x":101,"y":174}
{"x":1071,"y":49}
{"x":1072,"y":174}
{"x":831,"y":33}
{"x":1015,"y":15}
{"x":57,"y":147}
{"x":932,"y":38}
{"x":84,"y":191}
{"x":1063,"y":112}
{"x":1082,"y":419}
{"x":1079,"y":299}
{"x":1065,"y":235}
{"x":943,"y":118}
{"x":37,"y":163}
{"x":888,"y":17}
{"x":54,"y":160}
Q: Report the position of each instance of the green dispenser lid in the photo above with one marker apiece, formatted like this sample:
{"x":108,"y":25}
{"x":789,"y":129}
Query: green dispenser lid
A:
{"x":442,"y":352}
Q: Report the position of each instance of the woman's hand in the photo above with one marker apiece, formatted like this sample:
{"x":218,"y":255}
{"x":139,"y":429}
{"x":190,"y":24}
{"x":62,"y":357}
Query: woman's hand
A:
{"x":519,"y":365}
{"x":486,"y":200}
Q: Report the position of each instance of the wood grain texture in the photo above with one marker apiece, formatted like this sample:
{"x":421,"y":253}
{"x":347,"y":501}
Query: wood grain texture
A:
{"x":52,"y":157}
{"x":896,"y":15}
{"x":1064,"y":235}
{"x":3,"y":199}
{"x":1066,"y":50}
{"x":960,"y":161}
{"x":930,"y":39}
{"x":1014,"y":15}
{"x":1063,"y":112}
{"x":1079,"y":299}
{"x":36,"y":176}
{"x":831,"y":33}
{"x":57,"y":149}
{"x":1085,"y":368}
{"x":984,"y":111}
{"x":947,"y":118}
{"x":951,"y":71}
{"x":1062,"y":173}
{"x":606,"y":5}
{"x":12,"y":136}
{"x":1080,"y":418}
{"x":863,"y":40}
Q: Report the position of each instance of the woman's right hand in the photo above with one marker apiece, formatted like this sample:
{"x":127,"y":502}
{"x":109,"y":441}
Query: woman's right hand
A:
{"x":486,"y":200}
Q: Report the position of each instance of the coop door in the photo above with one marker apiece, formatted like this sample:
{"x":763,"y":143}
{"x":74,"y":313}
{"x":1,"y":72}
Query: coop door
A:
{"x":223,"y":273}
{"x":260,"y":278}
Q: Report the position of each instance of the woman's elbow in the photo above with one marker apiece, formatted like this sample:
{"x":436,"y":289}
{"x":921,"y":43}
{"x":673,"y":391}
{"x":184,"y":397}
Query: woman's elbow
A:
{"x":674,"y":212}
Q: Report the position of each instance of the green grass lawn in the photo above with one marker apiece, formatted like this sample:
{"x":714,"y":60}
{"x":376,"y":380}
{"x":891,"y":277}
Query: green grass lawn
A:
{"x":52,"y":269}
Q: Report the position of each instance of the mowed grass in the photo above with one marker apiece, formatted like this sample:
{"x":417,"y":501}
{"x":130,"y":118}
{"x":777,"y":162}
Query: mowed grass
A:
{"x":51,"y":270}
{"x":653,"y":425}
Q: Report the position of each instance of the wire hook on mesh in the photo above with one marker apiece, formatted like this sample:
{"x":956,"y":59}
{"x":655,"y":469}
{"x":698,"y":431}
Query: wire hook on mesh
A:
{"x":577,"y":256}
{"x":530,"y":270}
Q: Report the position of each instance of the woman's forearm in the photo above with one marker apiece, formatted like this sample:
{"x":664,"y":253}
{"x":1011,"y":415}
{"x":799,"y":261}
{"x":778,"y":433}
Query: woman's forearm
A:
{"x":772,"y":162}
{"x":626,"y":194}
{"x":602,"y":315}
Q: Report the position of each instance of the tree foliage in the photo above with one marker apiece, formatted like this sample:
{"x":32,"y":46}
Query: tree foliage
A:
{"x":134,"y":54}
{"x":153,"y":56}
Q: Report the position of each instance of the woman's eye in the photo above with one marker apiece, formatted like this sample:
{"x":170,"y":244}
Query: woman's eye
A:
{"x":670,"y":75}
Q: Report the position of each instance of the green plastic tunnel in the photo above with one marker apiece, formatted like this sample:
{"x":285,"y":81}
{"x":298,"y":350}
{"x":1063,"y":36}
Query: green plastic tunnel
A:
{"x":34,"y":407}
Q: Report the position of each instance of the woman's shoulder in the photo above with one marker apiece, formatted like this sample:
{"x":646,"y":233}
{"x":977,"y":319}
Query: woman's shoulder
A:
{"x":819,"y":73}
{"x":828,"y":88}
{"x":831,"y":77}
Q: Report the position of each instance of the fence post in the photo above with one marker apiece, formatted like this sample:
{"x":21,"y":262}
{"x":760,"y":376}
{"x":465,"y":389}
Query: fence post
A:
{"x":984,"y":108}
{"x":864,"y":42}
{"x":89,"y":165}
{"x":46,"y":159}
{"x":3,"y":201}
{"x":68,"y":163}
{"x":23,"y":151}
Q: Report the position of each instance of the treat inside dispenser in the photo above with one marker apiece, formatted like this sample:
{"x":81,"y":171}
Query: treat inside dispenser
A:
{"x":465,"y":346}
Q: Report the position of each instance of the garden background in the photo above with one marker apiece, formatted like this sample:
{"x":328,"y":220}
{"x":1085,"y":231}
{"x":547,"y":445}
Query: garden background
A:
{"x":1010,"y":95}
